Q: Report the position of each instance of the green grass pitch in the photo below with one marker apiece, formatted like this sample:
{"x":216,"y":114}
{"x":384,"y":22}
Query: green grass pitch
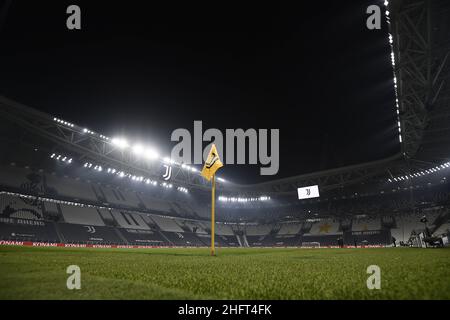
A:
{"x":177,"y":273}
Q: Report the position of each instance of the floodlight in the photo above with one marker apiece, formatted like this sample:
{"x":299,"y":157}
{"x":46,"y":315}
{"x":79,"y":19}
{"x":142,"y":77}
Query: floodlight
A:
{"x":151,"y":154}
{"x":138,"y":149}
{"x":120,"y":142}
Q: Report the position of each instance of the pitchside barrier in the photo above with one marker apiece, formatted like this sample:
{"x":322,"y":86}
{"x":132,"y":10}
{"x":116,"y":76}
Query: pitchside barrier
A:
{"x":74,"y":245}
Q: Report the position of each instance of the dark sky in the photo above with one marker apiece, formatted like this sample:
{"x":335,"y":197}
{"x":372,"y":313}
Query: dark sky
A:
{"x":142,"y":70}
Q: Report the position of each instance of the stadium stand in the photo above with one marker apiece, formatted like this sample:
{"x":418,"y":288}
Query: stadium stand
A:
{"x":155,"y":205}
{"x":289,"y":229}
{"x":257,"y":230}
{"x":324,"y":227}
{"x":406,"y":224}
{"x":20,"y":178}
{"x":74,"y":233}
{"x":144,"y":237}
{"x":443,"y":229}
{"x":12,"y":229}
{"x":120,"y":197}
{"x":20,"y":207}
{"x":75,"y":189}
{"x":191,"y":226}
{"x":129,"y":220}
{"x":125,"y":213}
{"x":81,"y":215}
{"x":223,"y":229}
{"x":183,"y":239}
{"x":366,"y":223}
{"x":166,"y":223}
{"x":358,"y":238}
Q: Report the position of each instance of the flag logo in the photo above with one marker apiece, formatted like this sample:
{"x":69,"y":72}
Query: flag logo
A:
{"x":212,"y":164}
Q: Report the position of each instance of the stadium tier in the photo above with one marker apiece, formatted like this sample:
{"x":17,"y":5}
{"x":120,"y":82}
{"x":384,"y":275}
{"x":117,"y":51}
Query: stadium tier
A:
{"x":40,"y":206}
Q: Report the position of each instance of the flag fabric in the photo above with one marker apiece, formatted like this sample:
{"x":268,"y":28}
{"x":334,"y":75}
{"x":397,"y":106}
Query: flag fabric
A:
{"x":212,"y":164}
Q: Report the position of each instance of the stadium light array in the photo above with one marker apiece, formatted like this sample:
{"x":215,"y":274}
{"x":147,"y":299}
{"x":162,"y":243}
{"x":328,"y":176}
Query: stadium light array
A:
{"x":182,"y":189}
{"x":169,"y":161}
{"x":68,"y":124}
{"x":167,"y":185}
{"x":134,"y":178}
{"x":61,"y":158}
{"x":87,"y":165}
{"x":420,"y":173}
{"x":120,"y":142}
{"x":189,"y":168}
{"x":239,"y":199}
{"x":152,"y":182}
{"x":391,"y":44}
{"x":88,"y":131}
{"x":137,"y":149}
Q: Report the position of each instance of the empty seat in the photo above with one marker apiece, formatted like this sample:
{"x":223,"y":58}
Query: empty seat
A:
{"x":166,"y":223}
{"x":129,"y":220}
{"x":290,"y":228}
{"x":20,"y":207}
{"x":76,"y":189}
{"x":325,"y":227}
{"x":81,"y":215}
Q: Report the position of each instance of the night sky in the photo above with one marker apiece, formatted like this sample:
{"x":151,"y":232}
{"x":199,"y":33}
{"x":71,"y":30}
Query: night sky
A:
{"x":143,"y":70}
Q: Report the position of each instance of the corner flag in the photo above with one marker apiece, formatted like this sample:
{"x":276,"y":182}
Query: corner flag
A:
{"x":212,"y":164}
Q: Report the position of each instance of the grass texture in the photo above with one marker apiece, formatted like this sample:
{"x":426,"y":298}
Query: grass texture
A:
{"x":250,"y":273}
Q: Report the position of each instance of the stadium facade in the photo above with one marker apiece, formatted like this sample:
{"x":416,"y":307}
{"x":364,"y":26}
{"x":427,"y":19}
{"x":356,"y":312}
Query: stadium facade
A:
{"x":62,"y":183}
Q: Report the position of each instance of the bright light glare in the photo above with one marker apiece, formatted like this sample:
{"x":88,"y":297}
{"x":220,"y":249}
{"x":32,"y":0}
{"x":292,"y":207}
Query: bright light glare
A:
{"x":138,"y":149}
{"x":151,"y":154}
{"x":120,"y":142}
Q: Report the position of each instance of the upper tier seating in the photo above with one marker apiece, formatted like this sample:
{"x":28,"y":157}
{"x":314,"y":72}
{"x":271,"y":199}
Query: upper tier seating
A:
{"x":192,"y":226}
{"x":76,"y":189}
{"x":120,"y":197}
{"x":224,"y":229}
{"x":257,"y":230}
{"x":81,"y":215}
{"x":290,"y":228}
{"x":366,"y":224}
{"x":166,"y":223}
{"x":19,"y":178}
{"x":154,"y":204}
{"x":129,"y":220}
{"x":20,"y":207}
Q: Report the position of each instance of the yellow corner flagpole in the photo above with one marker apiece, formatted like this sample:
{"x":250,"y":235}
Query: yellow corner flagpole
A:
{"x":213,"y":250}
